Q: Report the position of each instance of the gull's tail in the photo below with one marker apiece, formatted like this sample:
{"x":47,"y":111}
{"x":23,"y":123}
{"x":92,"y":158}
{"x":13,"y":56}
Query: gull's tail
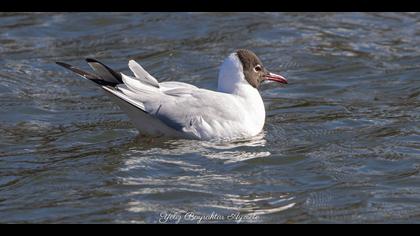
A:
{"x":112,"y":82}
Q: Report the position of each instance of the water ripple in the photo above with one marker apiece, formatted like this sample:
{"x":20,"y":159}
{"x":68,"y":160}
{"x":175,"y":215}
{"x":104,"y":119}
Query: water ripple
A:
{"x":340,"y":144}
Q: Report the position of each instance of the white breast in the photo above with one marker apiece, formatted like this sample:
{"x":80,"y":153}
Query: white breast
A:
{"x":250,"y":106}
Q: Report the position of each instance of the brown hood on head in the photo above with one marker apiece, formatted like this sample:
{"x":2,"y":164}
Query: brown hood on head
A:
{"x":249,"y":60}
{"x":253,"y":69}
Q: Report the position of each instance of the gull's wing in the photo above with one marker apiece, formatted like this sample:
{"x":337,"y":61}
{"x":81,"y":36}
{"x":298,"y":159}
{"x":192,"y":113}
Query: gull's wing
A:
{"x":104,"y":71}
{"x":142,"y":74}
{"x":109,"y":81}
{"x":145,"y":78}
{"x":87,"y":75}
{"x":169,"y":108}
{"x":197,"y":113}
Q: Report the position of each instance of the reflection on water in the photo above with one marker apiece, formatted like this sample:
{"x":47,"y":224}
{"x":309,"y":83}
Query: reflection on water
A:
{"x":340,"y":144}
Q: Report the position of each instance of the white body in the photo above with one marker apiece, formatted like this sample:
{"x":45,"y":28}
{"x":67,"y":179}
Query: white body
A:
{"x":178,"y":109}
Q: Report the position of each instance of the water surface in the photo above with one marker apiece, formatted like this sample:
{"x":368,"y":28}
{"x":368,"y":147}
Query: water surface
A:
{"x":341,"y":142}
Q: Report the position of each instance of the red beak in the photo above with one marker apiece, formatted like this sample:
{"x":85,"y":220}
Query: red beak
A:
{"x":275,"y":77}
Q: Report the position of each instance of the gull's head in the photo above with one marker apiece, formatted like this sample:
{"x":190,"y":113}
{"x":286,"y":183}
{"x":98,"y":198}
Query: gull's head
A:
{"x":243,"y":69}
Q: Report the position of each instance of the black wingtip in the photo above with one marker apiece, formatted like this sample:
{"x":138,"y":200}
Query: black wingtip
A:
{"x":91,"y":60}
{"x":94,"y":78}
{"x":63,"y":64}
{"x":117,"y":75}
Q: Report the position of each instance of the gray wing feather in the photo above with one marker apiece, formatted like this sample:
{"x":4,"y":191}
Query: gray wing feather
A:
{"x":142,"y":74}
{"x":191,"y":111}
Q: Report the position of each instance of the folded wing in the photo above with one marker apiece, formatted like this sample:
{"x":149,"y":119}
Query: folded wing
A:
{"x":169,"y":108}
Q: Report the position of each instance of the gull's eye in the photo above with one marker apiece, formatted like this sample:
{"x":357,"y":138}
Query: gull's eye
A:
{"x":258,"y":68}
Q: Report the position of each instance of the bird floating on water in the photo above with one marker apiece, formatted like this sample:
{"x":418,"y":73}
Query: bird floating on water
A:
{"x":181,"y":110}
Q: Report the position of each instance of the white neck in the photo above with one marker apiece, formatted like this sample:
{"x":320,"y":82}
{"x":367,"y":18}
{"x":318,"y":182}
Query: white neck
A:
{"x":232,"y":80}
{"x":231,"y":76}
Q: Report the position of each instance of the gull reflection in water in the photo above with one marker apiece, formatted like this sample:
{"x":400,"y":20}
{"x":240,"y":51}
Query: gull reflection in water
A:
{"x":179,"y":169}
{"x":237,"y":150}
{"x":229,"y":151}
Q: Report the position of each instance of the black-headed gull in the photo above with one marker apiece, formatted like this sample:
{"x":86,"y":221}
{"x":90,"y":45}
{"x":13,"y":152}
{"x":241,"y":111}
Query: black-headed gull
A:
{"x":181,"y":110}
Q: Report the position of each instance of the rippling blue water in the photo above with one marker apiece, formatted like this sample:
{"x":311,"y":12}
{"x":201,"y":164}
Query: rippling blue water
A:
{"x":341,"y":142}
